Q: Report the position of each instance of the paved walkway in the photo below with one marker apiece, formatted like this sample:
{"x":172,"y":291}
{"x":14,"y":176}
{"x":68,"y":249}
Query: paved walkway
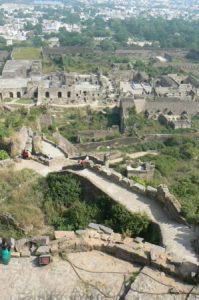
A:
{"x":176,"y":237}
{"x":89,"y":275}
{"x":49,"y":149}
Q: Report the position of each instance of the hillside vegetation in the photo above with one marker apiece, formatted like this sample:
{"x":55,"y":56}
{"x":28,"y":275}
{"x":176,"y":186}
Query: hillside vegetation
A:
{"x":62,"y":202}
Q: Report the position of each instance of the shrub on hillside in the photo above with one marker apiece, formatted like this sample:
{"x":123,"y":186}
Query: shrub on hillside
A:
{"x":4,"y":155}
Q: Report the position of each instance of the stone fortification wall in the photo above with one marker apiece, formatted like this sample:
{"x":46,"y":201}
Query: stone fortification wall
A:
{"x":101,"y":238}
{"x":168,"y":202}
{"x":64,"y":145}
{"x":93,"y":158}
{"x":176,"y":107}
{"x":111,"y":143}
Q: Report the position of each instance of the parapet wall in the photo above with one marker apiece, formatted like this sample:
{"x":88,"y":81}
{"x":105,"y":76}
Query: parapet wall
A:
{"x":101,"y":238}
{"x":168,"y":201}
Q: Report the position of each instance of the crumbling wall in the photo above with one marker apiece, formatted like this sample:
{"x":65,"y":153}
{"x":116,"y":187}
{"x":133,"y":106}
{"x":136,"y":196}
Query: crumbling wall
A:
{"x":101,"y":238}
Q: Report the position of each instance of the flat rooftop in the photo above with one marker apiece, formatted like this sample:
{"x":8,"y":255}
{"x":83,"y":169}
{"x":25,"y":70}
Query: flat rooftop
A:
{"x":13,"y":83}
{"x":14,"y":65}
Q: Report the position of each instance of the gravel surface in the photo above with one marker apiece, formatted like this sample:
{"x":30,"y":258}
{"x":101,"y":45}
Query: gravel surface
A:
{"x":23,"y":279}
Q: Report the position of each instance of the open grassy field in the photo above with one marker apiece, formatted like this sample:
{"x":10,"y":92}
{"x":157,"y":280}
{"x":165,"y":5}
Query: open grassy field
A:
{"x":27,"y":53}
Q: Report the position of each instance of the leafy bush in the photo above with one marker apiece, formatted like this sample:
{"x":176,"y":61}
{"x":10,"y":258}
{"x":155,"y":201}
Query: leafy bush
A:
{"x":69,"y":206}
{"x":4,"y":155}
{"x":63,"y":189}
{"x":124,"y":221}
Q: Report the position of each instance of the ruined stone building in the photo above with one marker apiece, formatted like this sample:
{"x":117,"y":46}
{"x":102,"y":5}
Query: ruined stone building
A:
{"x":24,"y":79}
{"x":73,"y":88}
{"x":175,"y":121}
{"x":144,"y":170}
{"x":20,"y":79}
{"x":153,"y":109}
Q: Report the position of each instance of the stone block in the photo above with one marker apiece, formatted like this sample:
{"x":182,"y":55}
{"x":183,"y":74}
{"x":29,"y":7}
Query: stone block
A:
{"x":138,"y":240}
{"x":15,"y":254}
{"x":124,"y":182}
{"x":151,"y":192}
{"x":105,"y":172}
{"x":41,"y":240}
{"x":116,"y":177}
{"x":131,"y":182}
{"x":116,"y":238}
{"x":137,"y":247}
{"x":80,"y":232}
{"x":156,"y":252}
{"x":94,"y":226}
{"x":25,"y":252}
{"x":105,"y":237}
{"x":93,"y":234}
{"x":20,"y":244}
{"x":128,"y":241}
{"x":138,"y":188}
{"x":53,"y":247}
{"x":42,"y":250}
{"x":186,"y":268}
{"x":64,"y":234}
{"x":106,"y":230}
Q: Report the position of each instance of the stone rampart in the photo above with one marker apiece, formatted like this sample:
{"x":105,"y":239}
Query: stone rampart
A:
{"x":102,"y":238}
{"x":65,"y":145}
{"x":111,"y":143}
{"x":169,"y":203}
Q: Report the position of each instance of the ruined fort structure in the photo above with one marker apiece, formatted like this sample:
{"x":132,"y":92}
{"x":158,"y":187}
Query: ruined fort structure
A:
{"x":73,"y":88}
{"x":144,"y":170}
{"x":20,"y":79}
{"x":24,"y":79}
